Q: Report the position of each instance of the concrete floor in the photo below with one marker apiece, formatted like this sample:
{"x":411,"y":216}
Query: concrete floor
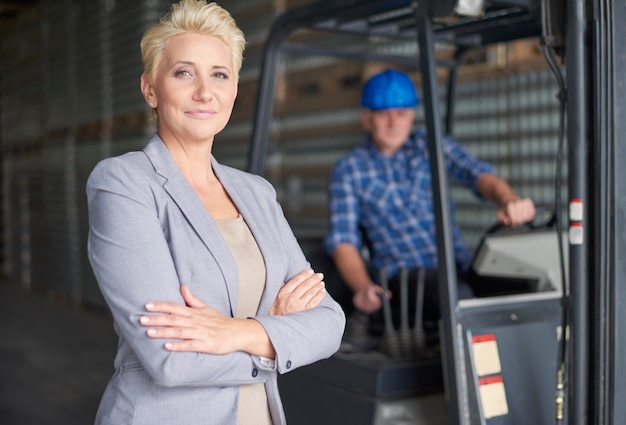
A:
{"x":54,"y":360}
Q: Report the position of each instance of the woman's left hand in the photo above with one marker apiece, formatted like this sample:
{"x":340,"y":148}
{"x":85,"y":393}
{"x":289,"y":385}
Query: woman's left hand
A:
{"x":302,"y":292}
{"x":197,"y":326}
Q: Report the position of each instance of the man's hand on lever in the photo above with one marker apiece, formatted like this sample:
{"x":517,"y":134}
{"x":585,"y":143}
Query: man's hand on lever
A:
{"x":516,"y":212}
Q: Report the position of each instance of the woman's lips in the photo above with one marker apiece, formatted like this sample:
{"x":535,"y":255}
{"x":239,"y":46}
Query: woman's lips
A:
{"x":201,"y":113}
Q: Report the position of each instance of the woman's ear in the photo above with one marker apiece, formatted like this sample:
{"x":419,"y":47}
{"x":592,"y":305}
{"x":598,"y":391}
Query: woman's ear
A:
{"x":147,"y":91}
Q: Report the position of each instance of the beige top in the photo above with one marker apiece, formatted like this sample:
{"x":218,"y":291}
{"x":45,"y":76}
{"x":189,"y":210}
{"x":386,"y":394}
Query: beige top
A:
{"x":253,"y":408}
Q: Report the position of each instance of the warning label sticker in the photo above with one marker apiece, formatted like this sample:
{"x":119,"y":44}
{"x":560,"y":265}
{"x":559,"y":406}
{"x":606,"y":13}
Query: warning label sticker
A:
{"x":493,"y":396}
{"x":489,"y":373}
{"x":486,"y":357}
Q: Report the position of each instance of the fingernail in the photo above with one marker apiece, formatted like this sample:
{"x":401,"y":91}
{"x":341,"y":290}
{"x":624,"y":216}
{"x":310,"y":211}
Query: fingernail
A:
{"x":150,"y":305}
{"x":310,"y":271}
{"x":144,"y":319}
{"x":168,"y":345}
{"x":151,"y":331}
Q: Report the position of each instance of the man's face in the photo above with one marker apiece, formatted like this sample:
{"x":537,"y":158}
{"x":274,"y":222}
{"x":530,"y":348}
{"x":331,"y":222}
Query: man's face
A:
{"x":388,"y":128}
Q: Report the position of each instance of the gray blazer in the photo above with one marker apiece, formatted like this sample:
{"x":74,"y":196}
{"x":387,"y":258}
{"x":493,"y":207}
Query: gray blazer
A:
{"x":148,"y":233}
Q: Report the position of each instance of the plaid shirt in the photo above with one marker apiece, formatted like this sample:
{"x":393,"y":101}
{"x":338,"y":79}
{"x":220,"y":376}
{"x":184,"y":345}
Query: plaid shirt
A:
{"x":390,"y":198}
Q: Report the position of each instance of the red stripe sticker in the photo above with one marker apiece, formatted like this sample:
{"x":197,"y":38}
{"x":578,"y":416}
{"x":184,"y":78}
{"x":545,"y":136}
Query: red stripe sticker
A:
{"x":483,"y":338}
{"x":496,"y":379}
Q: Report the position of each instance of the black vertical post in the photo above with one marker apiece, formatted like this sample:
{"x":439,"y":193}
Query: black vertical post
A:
{"x":607,"y":184}
{"x":615,"y":249}
{"x":577,"y":164}
{"x":264,"y":104}
{"x":452,"y":83}
{"x":455,"y":379}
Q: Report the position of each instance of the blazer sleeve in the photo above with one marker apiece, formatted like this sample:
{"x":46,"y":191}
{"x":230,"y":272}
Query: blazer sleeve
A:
{"x":305,"y":337}
{"x":133,"y":265}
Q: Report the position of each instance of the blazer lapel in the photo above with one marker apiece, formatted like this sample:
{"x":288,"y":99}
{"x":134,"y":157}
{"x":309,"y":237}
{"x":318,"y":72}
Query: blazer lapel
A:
{"x":254,"y":211}
{"x":196,"y":214}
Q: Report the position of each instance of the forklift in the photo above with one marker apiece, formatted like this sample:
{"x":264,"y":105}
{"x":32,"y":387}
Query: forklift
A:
{"x":548,"y":354}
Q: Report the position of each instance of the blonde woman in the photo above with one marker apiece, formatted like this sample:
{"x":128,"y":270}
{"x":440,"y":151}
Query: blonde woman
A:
{"x":209,"y":290}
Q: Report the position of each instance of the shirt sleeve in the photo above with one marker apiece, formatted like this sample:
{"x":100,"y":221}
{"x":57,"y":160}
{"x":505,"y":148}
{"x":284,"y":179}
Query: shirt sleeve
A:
{"x":462,"y":167}
{"x":343,"y":208}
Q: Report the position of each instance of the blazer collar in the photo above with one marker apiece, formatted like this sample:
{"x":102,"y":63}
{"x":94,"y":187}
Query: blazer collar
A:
{"x":179,"y":189}
{"x":177,"y":186}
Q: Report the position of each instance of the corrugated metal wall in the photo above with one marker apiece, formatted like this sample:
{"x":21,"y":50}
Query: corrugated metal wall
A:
{"x":22,"y":124}
{"x":512,"y":121}
{"x":69,"y":96}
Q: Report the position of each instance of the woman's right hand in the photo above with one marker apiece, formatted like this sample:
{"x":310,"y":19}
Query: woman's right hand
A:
{"x":302,"y":292}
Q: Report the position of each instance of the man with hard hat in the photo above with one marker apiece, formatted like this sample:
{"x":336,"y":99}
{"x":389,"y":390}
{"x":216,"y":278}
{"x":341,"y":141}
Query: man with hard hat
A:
{"x":381,"y":192}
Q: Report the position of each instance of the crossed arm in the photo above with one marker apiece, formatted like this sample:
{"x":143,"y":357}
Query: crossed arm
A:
{"x":200,"y":328}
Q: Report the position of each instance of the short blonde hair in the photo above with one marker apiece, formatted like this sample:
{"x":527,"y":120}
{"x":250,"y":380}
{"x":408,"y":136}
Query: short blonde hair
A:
{"x":195,"y":16}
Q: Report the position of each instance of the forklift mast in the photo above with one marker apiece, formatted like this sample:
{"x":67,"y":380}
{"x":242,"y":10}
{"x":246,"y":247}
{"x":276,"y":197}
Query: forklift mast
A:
{"x":588,"y":37}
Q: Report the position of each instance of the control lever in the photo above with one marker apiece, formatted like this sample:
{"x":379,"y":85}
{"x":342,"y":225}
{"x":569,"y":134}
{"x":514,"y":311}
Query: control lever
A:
{"x":419,"y":335}
{"x":390,"y":344}
{"x":404,"y":337}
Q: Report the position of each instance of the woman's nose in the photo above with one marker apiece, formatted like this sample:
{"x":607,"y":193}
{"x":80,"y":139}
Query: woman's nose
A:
{"x":203,"y":89}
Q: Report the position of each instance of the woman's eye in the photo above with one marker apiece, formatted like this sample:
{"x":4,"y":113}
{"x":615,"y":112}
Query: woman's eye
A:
{"x":182,"y":73}
{"x":221,"y":75}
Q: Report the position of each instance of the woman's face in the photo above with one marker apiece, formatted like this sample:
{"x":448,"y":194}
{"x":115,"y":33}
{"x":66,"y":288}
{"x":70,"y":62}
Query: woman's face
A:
{"x":194,"y":88}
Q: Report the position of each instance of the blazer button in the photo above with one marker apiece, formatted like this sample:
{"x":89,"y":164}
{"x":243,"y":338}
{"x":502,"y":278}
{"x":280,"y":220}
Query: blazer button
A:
{"x":288,"y":364}
{"x":255,"y":372}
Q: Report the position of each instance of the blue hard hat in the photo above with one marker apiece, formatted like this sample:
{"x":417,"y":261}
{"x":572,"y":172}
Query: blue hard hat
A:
{"x":389,"y":89}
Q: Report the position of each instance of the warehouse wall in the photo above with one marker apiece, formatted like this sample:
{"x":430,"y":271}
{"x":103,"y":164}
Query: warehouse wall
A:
{"x":69,"y":96}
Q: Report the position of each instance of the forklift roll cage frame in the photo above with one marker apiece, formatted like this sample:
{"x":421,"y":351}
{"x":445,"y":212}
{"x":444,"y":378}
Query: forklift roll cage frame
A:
{"x":594,"y":60}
